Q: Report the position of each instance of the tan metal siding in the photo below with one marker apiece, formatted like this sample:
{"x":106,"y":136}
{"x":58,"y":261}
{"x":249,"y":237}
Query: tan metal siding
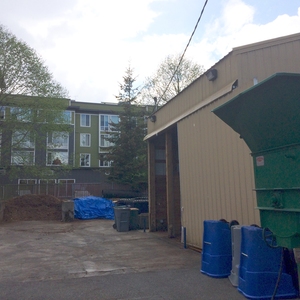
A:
{"x":264,"y":62}
{"x":216,"y":179}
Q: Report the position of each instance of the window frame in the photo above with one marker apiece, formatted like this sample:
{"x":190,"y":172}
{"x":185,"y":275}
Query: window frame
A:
{"x":106,"y":124}
{"x":106,"y":143}
{"x":63,"y":161}
{"x":89,"y":160}
{"x":14,"y":157}
{"x":89,"y":139}
{"x":34,"y":181}
{"x":2,"y":112}
{"x":105,"y":163}
{"x":58,"y":135}
{"x":66,"y":181}
{"x":27,"y":142}
{"x":26,"y":116}
{"x":83,"y":124}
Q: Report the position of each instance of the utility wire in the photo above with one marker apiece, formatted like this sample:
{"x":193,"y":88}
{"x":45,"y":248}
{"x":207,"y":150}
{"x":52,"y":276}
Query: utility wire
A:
{"x":185,"y":49}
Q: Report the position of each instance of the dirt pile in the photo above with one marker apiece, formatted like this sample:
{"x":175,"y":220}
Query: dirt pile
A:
{"x":32,"y":208}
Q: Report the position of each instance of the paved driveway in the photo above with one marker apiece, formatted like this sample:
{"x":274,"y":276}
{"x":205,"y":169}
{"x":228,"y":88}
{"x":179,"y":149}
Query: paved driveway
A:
{"x":91,"y":260}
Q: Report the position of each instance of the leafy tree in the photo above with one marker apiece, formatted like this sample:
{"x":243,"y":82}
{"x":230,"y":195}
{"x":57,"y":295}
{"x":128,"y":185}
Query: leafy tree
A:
{"x":30,"y":105}
{"x":23,"y":72}
{"x":160,"y":86}
{"x":128,"y":153}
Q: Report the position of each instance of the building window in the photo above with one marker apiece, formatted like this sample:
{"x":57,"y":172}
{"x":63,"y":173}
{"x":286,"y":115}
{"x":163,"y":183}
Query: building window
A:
{"x":57,"y":148}
{"x":85,"y":140}
{"x":57,"y":158}
{"x":2,"y":112}
{"x":107,"y":122}
{"x":85,"y":120}
{"x":58,"y":140}
{"x":21,"y":114}
{"x":26,"y":181}
{"x":47,"y":181}
{"x":104,"y":142}
{"x":85,"y":160}
{"x":56,"y":116}
{"x":22,"y":144}
{"x":22,"y":158}
{"x":103,"y":162}
{"x":22,"y":139}
{"x":66,"y":181}
{"x":67,"y":117}
{"x":63,"y":117}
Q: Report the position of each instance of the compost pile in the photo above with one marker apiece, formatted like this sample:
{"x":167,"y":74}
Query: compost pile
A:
{"x":32,"y":208}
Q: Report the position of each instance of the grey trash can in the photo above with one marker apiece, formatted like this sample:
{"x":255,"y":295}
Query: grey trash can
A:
{"x":122,"y":218}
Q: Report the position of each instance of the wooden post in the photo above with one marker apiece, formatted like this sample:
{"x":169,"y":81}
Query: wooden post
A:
{"x":170,"y":183}
{"x":151,"y":186}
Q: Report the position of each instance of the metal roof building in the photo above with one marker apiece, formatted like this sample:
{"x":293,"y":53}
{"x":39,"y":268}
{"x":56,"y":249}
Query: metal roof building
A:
{"x":199,"y":168}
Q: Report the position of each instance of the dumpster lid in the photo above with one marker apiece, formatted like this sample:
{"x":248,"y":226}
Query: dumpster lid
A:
{"x":266,"y":115}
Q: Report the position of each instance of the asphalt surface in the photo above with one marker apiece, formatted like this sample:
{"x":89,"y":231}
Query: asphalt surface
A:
{"x":91,"y":260}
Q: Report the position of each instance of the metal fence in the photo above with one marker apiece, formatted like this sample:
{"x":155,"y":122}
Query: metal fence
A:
{"x":59,"y":190}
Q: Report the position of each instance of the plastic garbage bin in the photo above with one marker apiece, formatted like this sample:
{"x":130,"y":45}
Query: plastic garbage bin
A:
{"x":216,"y":253}
{"x":133,"y":221}
{"x":259,"y":268}
{"x":236,"y":253}
{"x":122,"y":218}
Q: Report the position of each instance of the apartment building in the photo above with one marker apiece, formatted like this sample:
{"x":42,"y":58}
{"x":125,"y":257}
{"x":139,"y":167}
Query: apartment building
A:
{"x":72,"y":151}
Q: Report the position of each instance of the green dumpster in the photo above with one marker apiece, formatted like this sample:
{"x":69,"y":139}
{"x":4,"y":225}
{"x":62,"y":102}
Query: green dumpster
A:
{"x":267,"y":117}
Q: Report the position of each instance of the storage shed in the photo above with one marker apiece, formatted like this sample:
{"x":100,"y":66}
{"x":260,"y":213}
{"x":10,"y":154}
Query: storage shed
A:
{"x":199,"y":168}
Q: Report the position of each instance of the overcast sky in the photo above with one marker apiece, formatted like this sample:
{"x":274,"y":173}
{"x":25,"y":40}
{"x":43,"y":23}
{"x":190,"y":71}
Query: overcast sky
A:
{"x":88,"y":44}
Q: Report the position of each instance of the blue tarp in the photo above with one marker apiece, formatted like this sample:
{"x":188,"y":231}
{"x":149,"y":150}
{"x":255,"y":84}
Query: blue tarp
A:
{"x":93,"y":208}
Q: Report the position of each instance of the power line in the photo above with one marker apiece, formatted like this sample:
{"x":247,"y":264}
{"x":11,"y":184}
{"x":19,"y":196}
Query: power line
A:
{"x":185,"y":49}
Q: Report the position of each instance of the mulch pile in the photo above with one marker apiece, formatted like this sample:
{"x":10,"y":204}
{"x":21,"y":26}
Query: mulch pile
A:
{"x":32,"y":208}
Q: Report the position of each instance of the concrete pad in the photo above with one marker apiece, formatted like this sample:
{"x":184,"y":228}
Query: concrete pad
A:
{"x":91,"y":260}
{"x":36,"y":250}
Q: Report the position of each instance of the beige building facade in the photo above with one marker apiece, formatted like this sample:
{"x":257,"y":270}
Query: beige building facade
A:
{"x":199,"y":168}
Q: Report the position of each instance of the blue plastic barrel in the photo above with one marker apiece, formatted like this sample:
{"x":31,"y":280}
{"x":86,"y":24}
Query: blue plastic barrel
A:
{"x":216,"y":253}
{"x":259,"y":268}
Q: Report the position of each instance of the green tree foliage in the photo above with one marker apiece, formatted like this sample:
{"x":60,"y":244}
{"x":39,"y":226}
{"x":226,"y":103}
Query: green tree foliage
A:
{"x":23,"y":72}
{"x":128,"y":153}
{"x":32,"y":104}
{"x":161,"y":87}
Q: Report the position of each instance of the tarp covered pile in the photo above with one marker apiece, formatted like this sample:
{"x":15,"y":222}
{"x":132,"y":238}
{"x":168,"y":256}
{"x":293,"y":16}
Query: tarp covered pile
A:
{"x":92,"y":207}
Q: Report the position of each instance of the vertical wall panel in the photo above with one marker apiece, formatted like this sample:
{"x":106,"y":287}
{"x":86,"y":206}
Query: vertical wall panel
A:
{"x":213,"y":186}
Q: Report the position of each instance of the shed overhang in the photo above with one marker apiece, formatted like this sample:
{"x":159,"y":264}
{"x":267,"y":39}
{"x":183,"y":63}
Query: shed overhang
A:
{"x":222,"y":92}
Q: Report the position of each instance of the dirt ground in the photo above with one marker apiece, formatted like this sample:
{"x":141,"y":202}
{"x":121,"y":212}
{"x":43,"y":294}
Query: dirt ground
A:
{"x":32,"y":208}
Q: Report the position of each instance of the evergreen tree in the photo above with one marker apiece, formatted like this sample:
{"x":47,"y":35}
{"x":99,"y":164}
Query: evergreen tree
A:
{"x":128,"y":153}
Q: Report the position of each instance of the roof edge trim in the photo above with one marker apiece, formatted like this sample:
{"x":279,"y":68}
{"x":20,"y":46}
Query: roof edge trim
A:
{"x":222,"y":92}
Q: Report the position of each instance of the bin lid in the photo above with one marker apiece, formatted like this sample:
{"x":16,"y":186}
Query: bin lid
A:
{"x":266,"y":115}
